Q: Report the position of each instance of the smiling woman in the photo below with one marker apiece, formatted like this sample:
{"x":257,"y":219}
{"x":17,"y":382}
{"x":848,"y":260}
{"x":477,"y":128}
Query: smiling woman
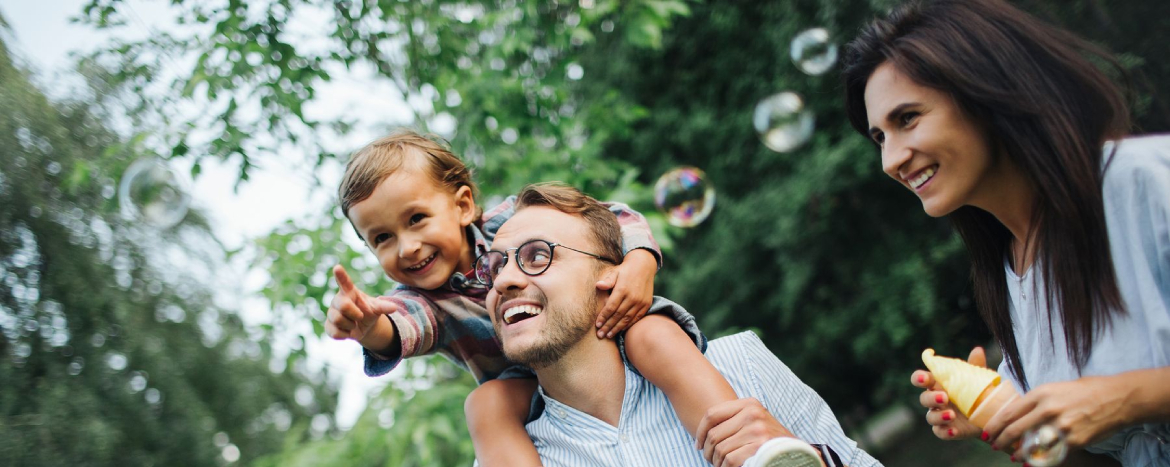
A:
{"x":1004,"y":124}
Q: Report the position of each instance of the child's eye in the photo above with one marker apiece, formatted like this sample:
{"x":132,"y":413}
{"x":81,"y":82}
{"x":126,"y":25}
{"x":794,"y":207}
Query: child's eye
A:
{"x":380,"y":238}
{"x":416,"y":218}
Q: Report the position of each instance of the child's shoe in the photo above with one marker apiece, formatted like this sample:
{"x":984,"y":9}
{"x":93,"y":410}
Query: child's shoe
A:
{"x":785,"y":452}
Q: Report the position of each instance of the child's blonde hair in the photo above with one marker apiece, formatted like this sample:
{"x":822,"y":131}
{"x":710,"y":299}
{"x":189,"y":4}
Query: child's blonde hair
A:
{"x":381,"y":158}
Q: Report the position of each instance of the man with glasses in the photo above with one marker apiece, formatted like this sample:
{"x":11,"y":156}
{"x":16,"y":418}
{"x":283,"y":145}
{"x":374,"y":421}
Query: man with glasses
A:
{"x":592,"y":407}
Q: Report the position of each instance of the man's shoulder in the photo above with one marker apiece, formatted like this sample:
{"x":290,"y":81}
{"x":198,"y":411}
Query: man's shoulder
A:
{"x":733,"y":345}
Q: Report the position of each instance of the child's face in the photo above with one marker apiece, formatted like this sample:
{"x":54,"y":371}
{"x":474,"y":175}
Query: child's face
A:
{"x":417,"y":228}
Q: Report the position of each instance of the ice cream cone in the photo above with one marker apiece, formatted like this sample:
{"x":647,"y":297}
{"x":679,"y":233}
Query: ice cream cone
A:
{"x":963,"y":382}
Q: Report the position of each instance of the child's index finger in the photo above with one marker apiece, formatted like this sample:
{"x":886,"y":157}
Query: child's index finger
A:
{"x":343,"y":280}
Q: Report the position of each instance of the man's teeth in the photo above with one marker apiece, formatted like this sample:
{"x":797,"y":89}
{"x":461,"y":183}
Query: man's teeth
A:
{"x":919,"y":180}
{"x":424,"y":263}
{"x":521,"y":312}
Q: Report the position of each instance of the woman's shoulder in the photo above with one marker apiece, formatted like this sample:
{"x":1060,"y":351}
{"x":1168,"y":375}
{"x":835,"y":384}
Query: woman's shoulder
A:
{"x":1137,"y":160}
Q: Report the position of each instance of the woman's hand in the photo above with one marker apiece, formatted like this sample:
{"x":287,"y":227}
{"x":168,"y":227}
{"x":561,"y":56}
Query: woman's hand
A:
{"x":946,"y":420}
{"x":1087,"y":410}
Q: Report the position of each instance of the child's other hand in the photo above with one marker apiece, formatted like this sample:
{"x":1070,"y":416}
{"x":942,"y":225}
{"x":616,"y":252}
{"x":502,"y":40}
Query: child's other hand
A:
{"x":632,"y":283}
{"x":353,"y":314}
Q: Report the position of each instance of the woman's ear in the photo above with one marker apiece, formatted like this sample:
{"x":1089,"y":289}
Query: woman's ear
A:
{"x":465,"y":202}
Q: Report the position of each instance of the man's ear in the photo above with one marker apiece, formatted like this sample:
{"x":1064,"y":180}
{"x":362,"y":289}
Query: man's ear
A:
{"x":465,"y":202}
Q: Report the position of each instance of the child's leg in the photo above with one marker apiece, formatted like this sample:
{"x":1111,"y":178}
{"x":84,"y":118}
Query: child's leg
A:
{"x":669,"y":359}
{"x":496,"y":412}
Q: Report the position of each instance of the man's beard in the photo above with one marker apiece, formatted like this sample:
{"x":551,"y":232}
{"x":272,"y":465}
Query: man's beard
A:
{"x":563,"y":329}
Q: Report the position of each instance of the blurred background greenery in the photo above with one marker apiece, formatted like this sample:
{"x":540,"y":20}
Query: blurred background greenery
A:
{"x":119,"y":348}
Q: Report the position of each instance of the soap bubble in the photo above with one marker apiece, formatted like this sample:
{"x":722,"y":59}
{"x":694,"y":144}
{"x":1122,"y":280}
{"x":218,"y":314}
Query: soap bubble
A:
{"x":783,"y":122}
{"x":813,"y":52}
{"x":685,"y":196}
{"x":151,"y":192}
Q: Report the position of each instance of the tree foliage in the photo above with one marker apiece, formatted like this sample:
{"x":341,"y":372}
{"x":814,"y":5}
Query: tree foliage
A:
{"x":110,"y":353}
{"x":835,"y":266}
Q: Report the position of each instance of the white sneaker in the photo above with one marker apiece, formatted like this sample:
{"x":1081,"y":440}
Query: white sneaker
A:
{"x":785,"y":452}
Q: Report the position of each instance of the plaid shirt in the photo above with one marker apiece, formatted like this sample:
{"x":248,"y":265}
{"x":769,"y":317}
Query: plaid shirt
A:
{"x":453,"y":320}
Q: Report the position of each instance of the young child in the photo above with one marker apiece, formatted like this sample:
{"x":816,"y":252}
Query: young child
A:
{"x":413,"y":203}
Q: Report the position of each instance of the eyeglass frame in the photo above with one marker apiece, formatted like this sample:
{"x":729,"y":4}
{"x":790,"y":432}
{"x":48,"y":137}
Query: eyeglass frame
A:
{"x":552,"y":248}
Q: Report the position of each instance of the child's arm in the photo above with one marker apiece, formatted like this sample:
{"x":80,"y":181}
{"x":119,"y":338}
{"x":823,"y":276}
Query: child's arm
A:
{"x":667,"y":357}
{"x":632,"y":287}
{"x":496,"y":412}
{"x":389,"y":329}
{"x":355,"y":315}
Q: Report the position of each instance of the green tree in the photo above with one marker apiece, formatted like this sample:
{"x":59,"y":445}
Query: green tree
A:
{"x":835,"y":266}
{"x":110,"y":354}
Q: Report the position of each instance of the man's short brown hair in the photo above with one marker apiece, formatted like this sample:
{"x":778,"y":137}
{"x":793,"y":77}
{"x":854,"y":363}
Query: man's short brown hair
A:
{"x":607,"y":235}
{"x":402,"y":148}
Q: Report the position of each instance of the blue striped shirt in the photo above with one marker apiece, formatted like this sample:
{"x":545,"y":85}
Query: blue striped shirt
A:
{"x":649,"y":432}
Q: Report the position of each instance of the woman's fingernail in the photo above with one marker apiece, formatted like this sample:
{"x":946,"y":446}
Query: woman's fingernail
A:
{"x":1013,"y":457}
{"x":921,"y":379}
{"x":985,"y":436}
{"x":951,"y":432}
{"x":938,"y":398}
{"x":993,"y":447}
{"x":947,"y":416}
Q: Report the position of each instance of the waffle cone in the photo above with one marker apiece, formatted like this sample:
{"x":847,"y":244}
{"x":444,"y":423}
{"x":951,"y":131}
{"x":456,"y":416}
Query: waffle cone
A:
{"x":962,"y":381}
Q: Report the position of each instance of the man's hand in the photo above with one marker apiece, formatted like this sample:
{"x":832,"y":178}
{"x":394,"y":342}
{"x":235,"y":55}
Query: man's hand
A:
{"x":731,"y":432}
{"x":353,"y":314}
{"x":632,"y":284}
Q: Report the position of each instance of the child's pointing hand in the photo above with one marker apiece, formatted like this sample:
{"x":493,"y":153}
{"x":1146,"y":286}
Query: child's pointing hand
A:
{"x":353,"y":314}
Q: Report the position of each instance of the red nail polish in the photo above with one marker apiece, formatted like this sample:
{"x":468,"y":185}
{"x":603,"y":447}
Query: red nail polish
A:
{"x":938,"y":398}
{"x":950,"y":432}
{"x":985,"y":436}
{"x":921,"y":379}
{"x":1013,"y":457}
{"x":946,"y":416}
{"x":1027,"y":465}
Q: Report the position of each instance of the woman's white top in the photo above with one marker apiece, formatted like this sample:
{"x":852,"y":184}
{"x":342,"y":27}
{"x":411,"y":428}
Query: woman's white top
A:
{"x":1137,"y":213}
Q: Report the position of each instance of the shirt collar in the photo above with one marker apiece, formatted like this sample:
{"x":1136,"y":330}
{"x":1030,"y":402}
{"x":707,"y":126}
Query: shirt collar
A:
{"x":462,"y":283}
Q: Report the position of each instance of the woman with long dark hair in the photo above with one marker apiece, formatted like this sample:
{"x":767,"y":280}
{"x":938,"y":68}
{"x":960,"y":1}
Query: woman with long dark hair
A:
{"x":1003,"y":123}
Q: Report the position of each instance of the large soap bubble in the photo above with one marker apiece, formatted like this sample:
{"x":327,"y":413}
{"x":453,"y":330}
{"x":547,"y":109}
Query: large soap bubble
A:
{"x":685,"y":195}
{"x":783,"y":122}
{"x":151,"y":192}
{"x":813,"y":52}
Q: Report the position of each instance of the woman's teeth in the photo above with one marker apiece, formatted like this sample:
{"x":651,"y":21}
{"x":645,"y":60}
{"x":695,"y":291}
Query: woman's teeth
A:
{"x":521,"y":313}
{"x":424,"y":263}
{"x":923,"y":178}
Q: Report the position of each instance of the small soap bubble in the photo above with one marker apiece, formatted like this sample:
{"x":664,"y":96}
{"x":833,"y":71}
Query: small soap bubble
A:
{"x":574,"y":71}
{"x":76,"y":366}
{"x":685,"y":195}
{"x":153,"y":193}
{"x":783,"y":122}
{"x":813,"y":52}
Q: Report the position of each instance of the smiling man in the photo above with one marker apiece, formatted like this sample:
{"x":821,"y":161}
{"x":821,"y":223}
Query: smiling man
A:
{"x":592,"y":407}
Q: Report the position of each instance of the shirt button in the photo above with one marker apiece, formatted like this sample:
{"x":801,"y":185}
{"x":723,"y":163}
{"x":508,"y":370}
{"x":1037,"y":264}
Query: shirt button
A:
{"x":561,"y":413}
{"x":625,"y":439}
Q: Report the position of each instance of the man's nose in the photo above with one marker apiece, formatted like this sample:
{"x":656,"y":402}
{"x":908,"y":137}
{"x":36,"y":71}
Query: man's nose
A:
{"x":510,"y":277}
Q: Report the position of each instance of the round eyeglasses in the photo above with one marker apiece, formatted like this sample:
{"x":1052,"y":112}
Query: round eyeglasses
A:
{"x":534,"y":257}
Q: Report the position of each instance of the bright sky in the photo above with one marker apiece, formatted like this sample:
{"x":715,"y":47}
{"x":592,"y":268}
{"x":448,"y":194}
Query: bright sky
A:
{"x":43,"y":39}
